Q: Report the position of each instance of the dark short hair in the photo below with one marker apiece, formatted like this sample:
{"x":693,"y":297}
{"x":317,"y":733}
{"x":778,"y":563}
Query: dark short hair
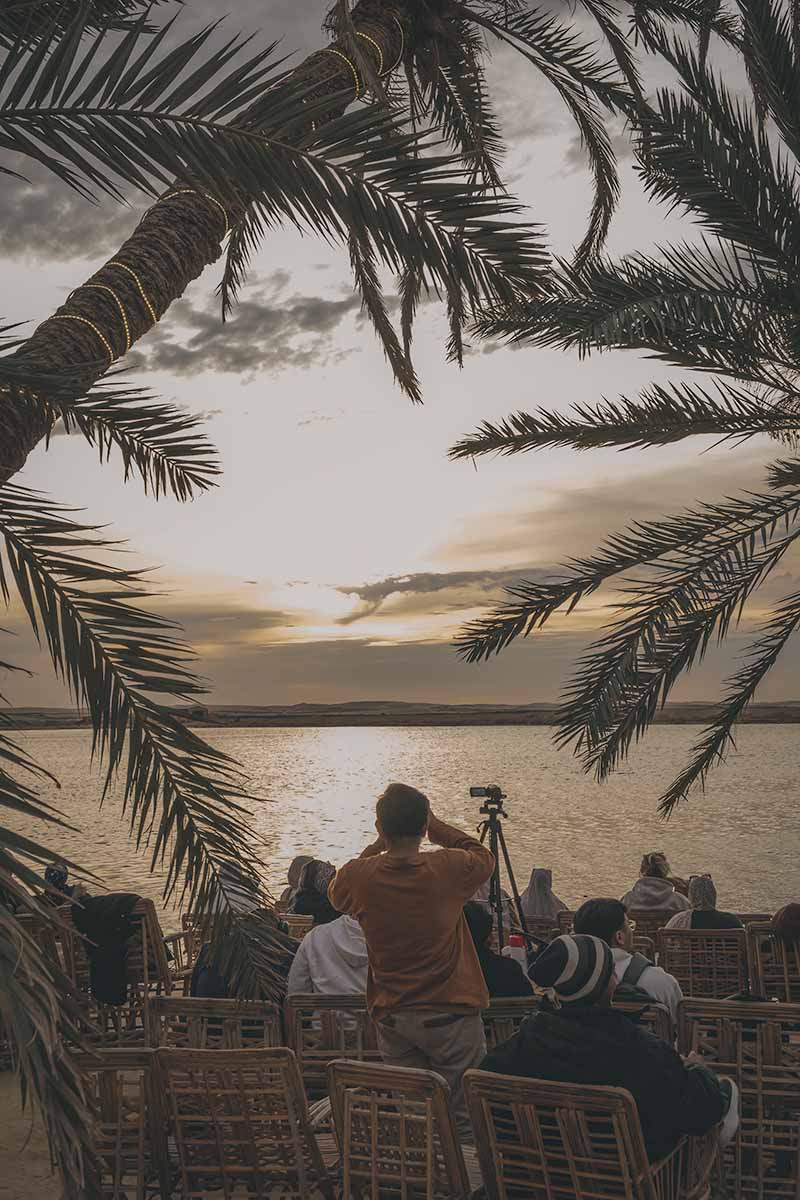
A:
{"x":600,"y":918}
{"x":402,"y":811}
{"x":480,"y":922}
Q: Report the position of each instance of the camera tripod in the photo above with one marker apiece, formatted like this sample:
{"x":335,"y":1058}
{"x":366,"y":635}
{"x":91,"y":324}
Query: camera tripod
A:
{"x":491,"y":828}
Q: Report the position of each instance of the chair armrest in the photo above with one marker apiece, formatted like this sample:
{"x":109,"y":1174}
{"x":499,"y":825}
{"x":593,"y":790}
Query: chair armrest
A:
{"x":319,"y":1114}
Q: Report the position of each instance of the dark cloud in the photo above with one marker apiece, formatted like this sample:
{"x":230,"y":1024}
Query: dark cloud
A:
{"x":44,"y":220}
{"x":472,"y":587}
{"x":270,"y":330}
{"x":577,"y":159}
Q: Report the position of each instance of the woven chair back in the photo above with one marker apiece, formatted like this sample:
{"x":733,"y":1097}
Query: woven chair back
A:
{"x":563,"y":1142}
{"x":774,"y":964}
{"x":655,"y":1017}
{"x":758,"y":1046}
{"x":298,"y":926}
{"x":240,"y":1123}
{"x":707,"y":963}
{"x":320,"y":1029}
{"x":122,"y":1094}
{"x":503,"y":1017}
{"x":648,"y":921}
{"x":215,"y":1024}
{"x":395,"y":1133}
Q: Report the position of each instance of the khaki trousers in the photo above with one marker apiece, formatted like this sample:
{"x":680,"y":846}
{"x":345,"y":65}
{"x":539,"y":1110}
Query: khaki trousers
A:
{"x":448,"y":1043}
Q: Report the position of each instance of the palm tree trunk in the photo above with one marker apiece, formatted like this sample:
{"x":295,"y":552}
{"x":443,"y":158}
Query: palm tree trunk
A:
{"x":173,"y":243}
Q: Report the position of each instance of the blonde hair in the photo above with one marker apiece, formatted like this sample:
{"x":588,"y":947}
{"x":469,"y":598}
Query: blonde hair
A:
{"x":655,"y":865}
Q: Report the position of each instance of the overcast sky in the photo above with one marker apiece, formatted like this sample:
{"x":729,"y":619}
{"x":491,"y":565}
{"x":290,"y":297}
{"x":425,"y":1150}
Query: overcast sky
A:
{"x":342,"y":550}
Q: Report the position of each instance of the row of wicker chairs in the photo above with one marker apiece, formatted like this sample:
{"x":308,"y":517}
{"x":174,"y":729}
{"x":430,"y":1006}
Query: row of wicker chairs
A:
{"x":719,"y":963}
{"x":238,"y":1121}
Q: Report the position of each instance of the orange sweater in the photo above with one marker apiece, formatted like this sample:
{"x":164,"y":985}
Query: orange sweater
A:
{"x":421,"y":953}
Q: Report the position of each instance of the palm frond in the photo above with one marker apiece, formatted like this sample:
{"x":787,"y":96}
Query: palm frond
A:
{"x":32,"y":19}
{"x":667,"y":624}
{"x":707,"y":152}
{"x":582,"y":81}
{"x":362,"y":260}
{"x":532,"y":604}
{"x":773,"y":69}
{"x":659,"y":417}
{"x":717,"y":739}
{"x":184,"y":800}
{"x":710,"y":308}
{"x":785,"y":473}
{"x":157,"y":441}
{"x":36,"y":1014}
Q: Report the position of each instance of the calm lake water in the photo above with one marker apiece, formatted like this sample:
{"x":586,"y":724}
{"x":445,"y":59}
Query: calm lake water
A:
{"x":319,"y":787}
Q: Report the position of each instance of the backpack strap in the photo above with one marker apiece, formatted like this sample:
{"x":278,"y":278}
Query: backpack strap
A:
{"x":635,"y":969}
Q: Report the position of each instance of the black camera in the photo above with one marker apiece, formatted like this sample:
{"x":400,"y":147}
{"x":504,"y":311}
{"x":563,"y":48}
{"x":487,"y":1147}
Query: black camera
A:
{"x":492,"y":792}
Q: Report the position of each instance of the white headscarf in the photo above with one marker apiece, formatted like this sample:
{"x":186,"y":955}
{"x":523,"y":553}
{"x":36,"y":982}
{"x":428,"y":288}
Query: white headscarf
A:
{"x":538,"y":899}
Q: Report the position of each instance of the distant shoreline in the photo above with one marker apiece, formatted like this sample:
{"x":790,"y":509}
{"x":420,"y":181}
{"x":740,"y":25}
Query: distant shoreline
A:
{"x":391,"y":713}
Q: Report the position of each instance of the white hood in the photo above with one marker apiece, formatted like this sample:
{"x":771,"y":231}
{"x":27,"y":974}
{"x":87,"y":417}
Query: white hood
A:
{"x":334,"y":956}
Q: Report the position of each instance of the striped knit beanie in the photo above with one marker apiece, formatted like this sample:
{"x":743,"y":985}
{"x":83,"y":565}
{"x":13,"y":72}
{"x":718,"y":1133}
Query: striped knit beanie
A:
{"x":574,"y":969}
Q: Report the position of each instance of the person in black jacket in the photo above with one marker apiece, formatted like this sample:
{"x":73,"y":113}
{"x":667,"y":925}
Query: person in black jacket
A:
{"x":503,"y":976}
{"x":576,"y":1037}
{"x":311,"y":897}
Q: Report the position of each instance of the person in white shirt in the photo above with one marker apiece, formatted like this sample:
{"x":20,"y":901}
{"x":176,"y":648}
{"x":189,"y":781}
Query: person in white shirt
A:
{"x":331,"y":960}
{"x":608,"y":919}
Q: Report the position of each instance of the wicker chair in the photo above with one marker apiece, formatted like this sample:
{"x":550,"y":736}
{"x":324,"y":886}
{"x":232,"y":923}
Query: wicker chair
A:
{"x":707,"y":963}
{"x":214,"y":1024}
{"x":566,"y":1142}
{"x":648,"y":921}
{"x":122,"y":1093}
{"x":503,"y":1017}
{"x":758,"y":1045}
{"x":774,"y":965}
{"x":753,"y":918}
{"x":148,"y":973}
{"x":645,"y":946}
{"x":320,"y":1029}
{"x":565,"y":919}
{"x":299,"y":926}
{"x":396,"y":1134}
{"x":240,"y":1123}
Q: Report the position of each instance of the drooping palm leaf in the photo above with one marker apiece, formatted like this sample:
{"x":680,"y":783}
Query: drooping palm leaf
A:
{"x":658,"y":417}
{"x":184,"y":800}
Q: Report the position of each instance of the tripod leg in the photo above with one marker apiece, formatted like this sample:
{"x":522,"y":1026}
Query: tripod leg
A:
{"x":514,"y":890}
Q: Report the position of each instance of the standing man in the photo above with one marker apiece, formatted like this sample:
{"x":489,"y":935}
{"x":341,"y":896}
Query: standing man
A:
{"x":425,"y":987}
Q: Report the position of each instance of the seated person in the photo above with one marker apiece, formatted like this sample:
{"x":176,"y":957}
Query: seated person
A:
{"x":293,"y":879}
{"x":577,"y":1037}
{"x":539,"y":901}
{"x":503,"y":976}
{"x":786,"y":923}
{"x":311,"y":897}
{"x":210,"y":979}
{"x":654,"y":887}
{"x":704,"y":913}
{"x":608,"y":920}
{"x":331,"y":960}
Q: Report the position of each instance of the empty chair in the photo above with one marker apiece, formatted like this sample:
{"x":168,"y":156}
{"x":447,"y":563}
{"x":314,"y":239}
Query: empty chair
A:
{"x":709,"y":963}
{"x":774,"y":964}
{"x":645,"y":946}
{"x":240,"y":1123}
{"x":320,"y":1029}
{"x":214,"y":1024}
{"x":757,"y":1045}
{"x":396,"y":1134}
{"x":574,"y":1142}
{"x":122,"y":1094}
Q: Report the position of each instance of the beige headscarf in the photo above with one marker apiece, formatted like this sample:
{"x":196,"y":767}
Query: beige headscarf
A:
{"x":539,"y":899}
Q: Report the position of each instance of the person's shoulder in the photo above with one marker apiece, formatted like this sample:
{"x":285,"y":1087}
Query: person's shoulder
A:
{"x":657,"y":977}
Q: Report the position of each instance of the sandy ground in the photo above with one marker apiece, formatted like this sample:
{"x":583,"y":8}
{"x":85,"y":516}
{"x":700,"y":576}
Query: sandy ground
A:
{"x":24,"y":1162}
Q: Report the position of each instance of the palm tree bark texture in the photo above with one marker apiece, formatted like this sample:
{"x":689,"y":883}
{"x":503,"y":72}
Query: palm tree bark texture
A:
{"x":173,"y":243}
